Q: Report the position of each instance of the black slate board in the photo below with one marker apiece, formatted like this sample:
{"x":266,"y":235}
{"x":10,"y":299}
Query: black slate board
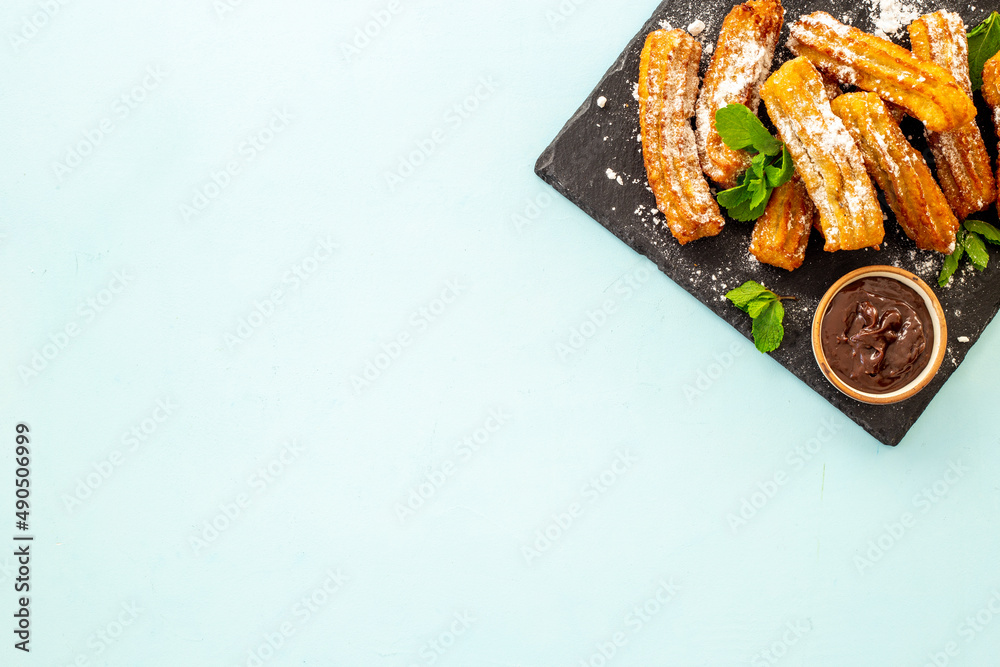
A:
{"x":596,"y":139}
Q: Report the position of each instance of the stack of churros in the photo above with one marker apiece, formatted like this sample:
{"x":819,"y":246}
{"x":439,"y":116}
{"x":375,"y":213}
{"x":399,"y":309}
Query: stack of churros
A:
{"x":837,"y":107}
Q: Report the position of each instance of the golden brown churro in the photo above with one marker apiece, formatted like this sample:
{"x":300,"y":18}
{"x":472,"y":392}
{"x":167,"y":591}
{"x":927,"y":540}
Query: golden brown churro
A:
{"x":781,"y":235}
{"x":963,"y":167}
{"x":910,"y":189}
{"x":991,"y":92}
{"x":739,"y":65}
{"x":668,"y":85}
{"x":871,"y":63}
{"x":826,"y":157}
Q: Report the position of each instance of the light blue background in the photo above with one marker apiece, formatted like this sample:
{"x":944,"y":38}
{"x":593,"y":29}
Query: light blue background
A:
{"x":693,"y":458}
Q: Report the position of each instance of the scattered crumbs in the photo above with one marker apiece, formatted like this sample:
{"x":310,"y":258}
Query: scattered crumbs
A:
{"x":963,"y":339}
{"x":601,"y":101}
{"x":958,"y":313}
{"x":635,"y":91}
{"x":638,"y":138}
{"x":708,"y":48}
{"x":620,"y":181}
{"x":605,"y":138}
{"x":654,"y":211}
{"x":696,"y":28}
{"x":611,"y":174}
{"x":665,"y":25}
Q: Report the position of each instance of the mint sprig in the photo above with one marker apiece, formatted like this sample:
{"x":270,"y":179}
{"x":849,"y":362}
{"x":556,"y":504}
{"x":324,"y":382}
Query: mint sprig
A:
{"x":984,"y":42}
{"x":764,"y":307}
{"x":770,"y":167}
{"x":970,"y":242}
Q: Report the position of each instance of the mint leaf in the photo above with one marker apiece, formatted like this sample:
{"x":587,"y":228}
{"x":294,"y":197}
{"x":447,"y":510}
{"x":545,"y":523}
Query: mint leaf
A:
{"x":741,"y":129}
{"x":747,"y":212}
{"x":760,"y":194}
{"x":767,"y":329}
{"x":976,"y":250}
{"x":745,"y":293}
{"x":757,"y":306}
{"x":984,"y":229}
{"x":984,"y":42}
{"x":776,"y":177}
{"x":764,"y":306}
{"x":733,"y":197}
{"x":737,"y":201}
{"x":951,"y":261}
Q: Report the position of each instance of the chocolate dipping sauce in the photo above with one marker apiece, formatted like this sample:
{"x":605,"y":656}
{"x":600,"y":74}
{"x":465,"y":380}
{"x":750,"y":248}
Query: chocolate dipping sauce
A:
{"x":877,"y":335}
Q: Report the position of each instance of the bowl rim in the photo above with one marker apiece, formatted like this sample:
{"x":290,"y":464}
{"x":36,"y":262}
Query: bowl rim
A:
{"x":939,"y":324}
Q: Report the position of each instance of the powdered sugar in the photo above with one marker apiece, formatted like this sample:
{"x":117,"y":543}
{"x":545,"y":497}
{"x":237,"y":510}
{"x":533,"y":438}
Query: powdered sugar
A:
{"x":891,"y":16}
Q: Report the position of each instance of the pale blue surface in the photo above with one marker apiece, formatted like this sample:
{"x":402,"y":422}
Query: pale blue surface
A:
{"x":333,"y":507}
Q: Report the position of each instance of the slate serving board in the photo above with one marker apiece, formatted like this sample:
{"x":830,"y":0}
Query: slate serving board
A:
{"x":596,"y":140}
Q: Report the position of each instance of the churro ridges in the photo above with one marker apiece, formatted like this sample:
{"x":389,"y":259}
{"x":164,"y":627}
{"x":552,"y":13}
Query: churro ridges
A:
{"x":910,"y":190}
{"x":781,"y":235}
{"x":926,"y":90}
{"x":740,"y":63}
{"x":991,"y":93}
{"x":826,"y":157}
{"x":668,"y":86}
{"x":963,"y":166}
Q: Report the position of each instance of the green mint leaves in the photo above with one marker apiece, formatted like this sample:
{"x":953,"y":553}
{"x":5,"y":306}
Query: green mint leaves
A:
{"x":764,"y":307}
{"x":971,"y":242}
{"x":984,"y":42}
{"x":740,"y":130}
{"x":770,"y":167}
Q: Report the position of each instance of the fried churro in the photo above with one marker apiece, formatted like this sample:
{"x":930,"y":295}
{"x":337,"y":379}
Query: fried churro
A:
{"x":826,"y":157}
{"x":781,"y":235}
{"x":668,"y":85}
{"x":991,"y":93}
{"x":926,"y":90}
{"x":963,"y":167}
{"x":739,"y":65}
{"x":900,"y":171}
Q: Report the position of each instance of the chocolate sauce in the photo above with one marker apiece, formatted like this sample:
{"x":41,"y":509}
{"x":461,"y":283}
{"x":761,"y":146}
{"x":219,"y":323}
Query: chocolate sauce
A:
{"x":877,"y":335}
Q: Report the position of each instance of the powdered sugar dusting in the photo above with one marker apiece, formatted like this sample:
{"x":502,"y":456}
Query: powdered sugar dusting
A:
{"x":891,"y":16}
